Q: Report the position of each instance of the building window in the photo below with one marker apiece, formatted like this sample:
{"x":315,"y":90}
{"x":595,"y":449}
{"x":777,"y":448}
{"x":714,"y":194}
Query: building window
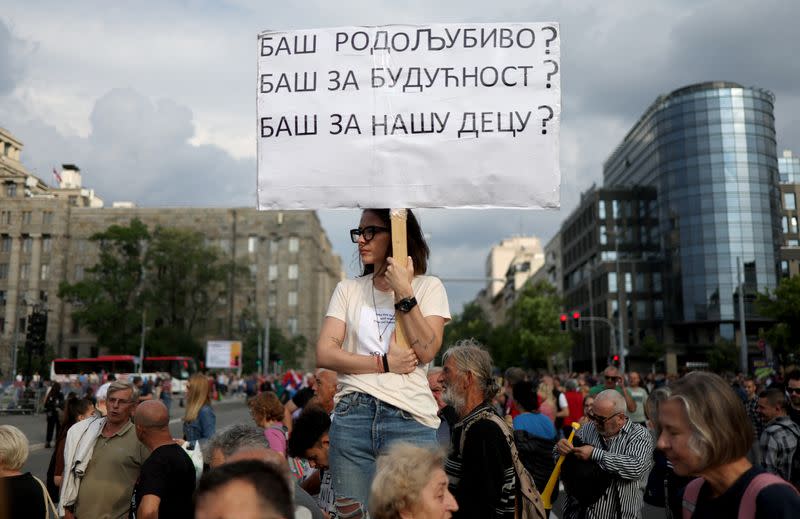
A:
{"x":25,"y":271}
{"x":658,"y":309}
{"x":793,"y":227}
{"x":274,"y":243}
{"x":3,"y":270}
{"x":252,"y":244}
{"x":5,"y":243}
{"x":789,"y":202}
{"x":601,"y":209}
{"x":612,"y":282}
{"x":47,"y":244}
{"x":294,"y":244}
{"x":273,"y":272}
{"x":73,"y":351}
{"x":785,"y":224}
{"x":657,"y":282}
{"x":603,"y":235}
{"x":42,"y":296}
{"x":628,"y":282}
{"x":2,"y":298}
{"x":2,"y":325}
{"x":11,"y":189}
{"x":615,"y":308}
{"x":76,"y":326}
{"x":615,"y":209}
{"x":640,"y":282}
{"x":785,"y":268}
{"x":26,"y":217}
{"x":292,"y":298}
{"x":272,"y":300}
{"x":791,"y":243}
{"x":291,"y":324}
{"x":27,"y":243}
{"x":5,"y":217}
{"x":293,"y":271}
{"x":253,"y":270}
{"x":225,"y":245}
{"x":47,"y":217}
{"x":45,"y":272}
{"x":641,"y":310}
{"x":78,"y":272}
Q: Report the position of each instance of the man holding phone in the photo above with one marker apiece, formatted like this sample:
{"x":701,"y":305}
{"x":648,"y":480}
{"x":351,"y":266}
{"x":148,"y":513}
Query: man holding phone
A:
{"x":613,"y":380}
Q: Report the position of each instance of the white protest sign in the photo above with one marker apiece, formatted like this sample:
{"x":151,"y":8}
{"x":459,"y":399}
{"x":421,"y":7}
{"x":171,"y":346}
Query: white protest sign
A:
{"x":457,"y":115}
{"x":223,"y":354}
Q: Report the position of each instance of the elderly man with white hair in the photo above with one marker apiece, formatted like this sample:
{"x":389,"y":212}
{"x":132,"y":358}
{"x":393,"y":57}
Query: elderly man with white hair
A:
{"x":619,"y":447}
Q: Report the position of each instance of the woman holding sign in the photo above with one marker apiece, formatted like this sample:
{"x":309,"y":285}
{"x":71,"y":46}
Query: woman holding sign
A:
{"x":383,"y":392}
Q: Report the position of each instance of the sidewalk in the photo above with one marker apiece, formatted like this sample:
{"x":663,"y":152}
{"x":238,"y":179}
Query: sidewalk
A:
{"x":35,"y":426}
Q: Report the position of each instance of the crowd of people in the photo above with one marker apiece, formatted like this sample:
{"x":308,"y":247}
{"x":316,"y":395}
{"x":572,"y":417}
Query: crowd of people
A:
{"x":376,"y":431}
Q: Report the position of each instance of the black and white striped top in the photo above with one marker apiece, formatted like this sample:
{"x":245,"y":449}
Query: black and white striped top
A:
{"x":629,"y":456}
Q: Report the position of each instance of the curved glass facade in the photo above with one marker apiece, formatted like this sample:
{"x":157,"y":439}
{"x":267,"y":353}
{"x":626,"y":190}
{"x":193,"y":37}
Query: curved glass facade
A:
{"x":710,"y":151}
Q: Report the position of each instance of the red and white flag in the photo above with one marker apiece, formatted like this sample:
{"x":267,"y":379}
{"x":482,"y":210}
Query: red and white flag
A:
{"x":58,"y":177}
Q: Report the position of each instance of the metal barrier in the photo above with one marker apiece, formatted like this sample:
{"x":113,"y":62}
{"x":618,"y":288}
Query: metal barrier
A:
{"x":16,"y":400}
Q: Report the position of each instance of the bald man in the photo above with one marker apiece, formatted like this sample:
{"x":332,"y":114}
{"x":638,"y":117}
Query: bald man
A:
{"x":167,"y":479}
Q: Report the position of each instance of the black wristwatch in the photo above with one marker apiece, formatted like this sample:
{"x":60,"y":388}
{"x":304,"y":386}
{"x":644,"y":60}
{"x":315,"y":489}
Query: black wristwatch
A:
{"x":406,"y":304}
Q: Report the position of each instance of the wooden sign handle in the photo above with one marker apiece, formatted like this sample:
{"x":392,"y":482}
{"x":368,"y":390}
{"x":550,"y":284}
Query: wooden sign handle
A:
{"x":400,"y":255}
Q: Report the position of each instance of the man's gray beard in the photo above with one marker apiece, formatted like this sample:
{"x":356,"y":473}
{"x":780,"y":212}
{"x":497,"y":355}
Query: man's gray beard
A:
{"x":452,"y":398}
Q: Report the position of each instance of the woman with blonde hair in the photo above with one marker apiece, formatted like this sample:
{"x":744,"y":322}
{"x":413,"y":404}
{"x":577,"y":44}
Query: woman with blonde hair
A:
{"x":547,"y":402}
{"x":704,"y":431}
{"x":410,"y":483}
{"x":21,"y":494}
{"x":199,"y":422}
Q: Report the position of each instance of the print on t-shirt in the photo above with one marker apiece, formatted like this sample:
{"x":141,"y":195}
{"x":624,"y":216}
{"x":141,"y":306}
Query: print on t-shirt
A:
{"x":369,"y":342}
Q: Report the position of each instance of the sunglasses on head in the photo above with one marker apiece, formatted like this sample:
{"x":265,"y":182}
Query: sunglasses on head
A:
{"x":367,"y":232}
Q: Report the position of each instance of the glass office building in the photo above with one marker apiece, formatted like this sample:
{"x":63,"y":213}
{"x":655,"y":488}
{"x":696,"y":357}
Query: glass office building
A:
{"x":710,"y":151}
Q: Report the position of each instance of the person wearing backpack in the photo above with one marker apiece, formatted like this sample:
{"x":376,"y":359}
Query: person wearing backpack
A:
{"x":483,"y":467}
{"x":704,"y":431}
{"x":779,"y":440}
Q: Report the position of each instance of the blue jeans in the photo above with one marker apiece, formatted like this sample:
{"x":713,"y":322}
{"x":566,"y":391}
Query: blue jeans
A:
{"x":364,"y":427}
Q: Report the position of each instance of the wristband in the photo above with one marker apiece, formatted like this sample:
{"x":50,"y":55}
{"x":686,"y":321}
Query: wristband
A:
{"x":385,"y":364}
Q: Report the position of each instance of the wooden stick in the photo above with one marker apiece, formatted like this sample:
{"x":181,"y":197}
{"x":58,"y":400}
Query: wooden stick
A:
{"x":400,"y":254}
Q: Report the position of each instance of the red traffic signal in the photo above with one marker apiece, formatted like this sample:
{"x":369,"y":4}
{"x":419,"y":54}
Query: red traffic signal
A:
{"x":615,"y":360}
{"x":576,"y":320}
{"x":563,"y":322}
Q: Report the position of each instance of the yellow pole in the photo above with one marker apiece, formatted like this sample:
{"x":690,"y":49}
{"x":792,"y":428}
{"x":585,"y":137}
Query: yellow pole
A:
{"x":553,"y":481}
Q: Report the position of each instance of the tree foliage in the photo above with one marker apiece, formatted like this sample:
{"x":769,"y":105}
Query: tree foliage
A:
{"x":172,"y":273}
{"x":108,"y":302}
{"x":530,"y":337}
{"x":782,"y":305}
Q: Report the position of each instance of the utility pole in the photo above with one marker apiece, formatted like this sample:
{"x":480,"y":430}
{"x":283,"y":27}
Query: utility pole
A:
{"x":143,"y":251}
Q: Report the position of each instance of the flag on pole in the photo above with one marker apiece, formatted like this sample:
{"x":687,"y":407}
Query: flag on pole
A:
{"x":58,"y":177}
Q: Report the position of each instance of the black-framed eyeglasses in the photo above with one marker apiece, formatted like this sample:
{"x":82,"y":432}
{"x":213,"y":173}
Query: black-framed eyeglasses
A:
{"x":601,"y":420}
{"x":367,"y":232}
{"x":795,"y":390}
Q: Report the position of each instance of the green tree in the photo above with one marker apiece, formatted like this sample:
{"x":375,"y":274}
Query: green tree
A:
{"x":290,"y":350}
{"x":723,"y":356}
{"x":470,"y":323}
{"x":783,"y":306}
{"x":534,"y":333}
{"x":108,"y":302}
{"x":187,"y":277}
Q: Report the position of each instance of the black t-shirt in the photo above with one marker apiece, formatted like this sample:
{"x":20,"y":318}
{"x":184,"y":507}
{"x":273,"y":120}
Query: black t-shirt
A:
{"x":794,"y":414}
{"x":21,"y":497}
{"x":773,"y":502}
{"x":169,"y":474}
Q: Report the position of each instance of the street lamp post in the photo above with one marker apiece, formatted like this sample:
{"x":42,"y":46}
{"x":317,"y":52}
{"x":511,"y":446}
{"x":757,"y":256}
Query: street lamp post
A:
{"x":143,"y":246}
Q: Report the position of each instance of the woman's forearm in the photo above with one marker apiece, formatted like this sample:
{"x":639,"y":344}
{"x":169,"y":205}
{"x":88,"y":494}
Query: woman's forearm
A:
{"x":424,"y":334}
{"x":330,"y":354}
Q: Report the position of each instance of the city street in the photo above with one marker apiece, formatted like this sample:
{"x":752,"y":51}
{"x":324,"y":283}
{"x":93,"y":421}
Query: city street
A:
{"x":228,"y":412}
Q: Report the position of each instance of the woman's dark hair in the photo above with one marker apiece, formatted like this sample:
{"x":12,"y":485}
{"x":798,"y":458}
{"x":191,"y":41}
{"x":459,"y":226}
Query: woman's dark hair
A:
{"x":417,"y":247}
{"x":525,"y":396}
{"x":54,"y":390}
{"x":73,"y":408}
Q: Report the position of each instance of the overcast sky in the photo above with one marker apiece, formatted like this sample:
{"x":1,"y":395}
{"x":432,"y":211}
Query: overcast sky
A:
{"x":155,"y":100}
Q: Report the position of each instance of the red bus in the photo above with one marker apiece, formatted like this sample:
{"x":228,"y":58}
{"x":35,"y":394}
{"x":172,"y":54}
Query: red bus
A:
{"x":62,"y":370}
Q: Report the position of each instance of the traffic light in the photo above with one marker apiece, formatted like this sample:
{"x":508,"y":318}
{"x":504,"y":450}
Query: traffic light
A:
{"x":615,"y":360}
{"x":36,"y":332}
{"x":576,"y":320}
{"x":563,"y":322}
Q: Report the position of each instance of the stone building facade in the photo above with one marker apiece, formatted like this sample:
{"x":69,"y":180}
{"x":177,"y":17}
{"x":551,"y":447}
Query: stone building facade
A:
{"x":44,"y":241}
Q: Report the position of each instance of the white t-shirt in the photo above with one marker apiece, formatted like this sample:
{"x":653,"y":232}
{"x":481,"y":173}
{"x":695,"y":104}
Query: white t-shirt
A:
{"x":366,"y":322}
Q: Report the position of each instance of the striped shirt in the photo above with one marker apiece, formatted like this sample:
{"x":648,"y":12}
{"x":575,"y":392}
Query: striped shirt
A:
{"x":629,"y":456}
{"x":778,"y":443}
{"x":482,"y":477}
